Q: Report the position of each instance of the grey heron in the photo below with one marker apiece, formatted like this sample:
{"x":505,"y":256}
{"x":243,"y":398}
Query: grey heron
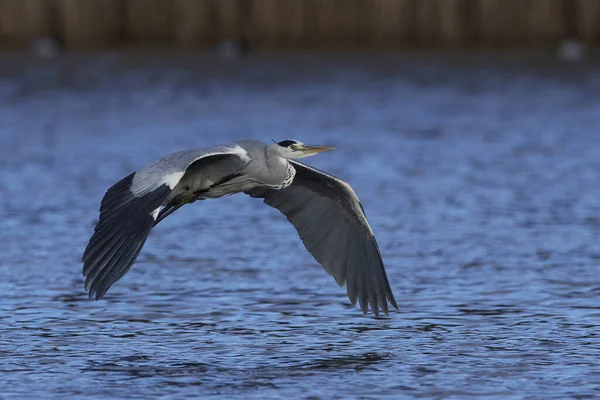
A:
{"x":325,"y":211}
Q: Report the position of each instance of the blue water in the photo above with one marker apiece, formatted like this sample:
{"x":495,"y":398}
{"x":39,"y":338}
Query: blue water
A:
{"x":480,"y":176}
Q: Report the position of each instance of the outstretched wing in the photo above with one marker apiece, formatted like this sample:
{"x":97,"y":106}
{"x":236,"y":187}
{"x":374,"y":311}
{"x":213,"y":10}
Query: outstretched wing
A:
{"x":334,"y":229}
{"x":130,"y":208}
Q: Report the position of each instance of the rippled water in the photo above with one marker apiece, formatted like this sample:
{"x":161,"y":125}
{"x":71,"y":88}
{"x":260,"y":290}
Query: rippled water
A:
{"x":480,"y":177}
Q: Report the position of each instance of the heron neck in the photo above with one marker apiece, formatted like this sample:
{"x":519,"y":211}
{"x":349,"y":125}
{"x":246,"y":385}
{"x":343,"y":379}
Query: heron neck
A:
{"x":274,"y":158}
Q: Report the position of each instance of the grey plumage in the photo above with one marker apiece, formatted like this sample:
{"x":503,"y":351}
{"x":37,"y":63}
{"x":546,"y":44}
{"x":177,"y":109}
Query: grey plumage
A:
{"x":324,"y":210}
{"x":334,"y":229}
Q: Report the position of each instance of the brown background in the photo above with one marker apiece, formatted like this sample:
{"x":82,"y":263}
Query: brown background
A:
{"x":364,"y":24}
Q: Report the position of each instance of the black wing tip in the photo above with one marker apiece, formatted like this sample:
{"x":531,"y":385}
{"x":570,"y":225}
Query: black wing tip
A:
{"x":365,"y":306}
{"x":92,"y":295}
{"x":100,"y":278}
{"x":96,"y":288}
{"x":97,"y":293}
{"x":375,"y":311}
{"x":92,"y":287}
{"x":125,"y":223}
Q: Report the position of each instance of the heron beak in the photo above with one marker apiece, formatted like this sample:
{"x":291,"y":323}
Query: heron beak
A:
{"x":310,"y":150}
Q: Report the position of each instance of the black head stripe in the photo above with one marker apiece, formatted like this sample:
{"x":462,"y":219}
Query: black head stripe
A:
{"x":287,"y":143}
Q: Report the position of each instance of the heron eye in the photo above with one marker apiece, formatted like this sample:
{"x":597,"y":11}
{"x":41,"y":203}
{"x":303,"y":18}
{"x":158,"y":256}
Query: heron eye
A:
{"x":293,"y":147}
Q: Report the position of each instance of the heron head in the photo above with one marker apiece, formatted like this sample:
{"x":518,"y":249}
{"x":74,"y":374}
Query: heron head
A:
{"x":293,"y":149}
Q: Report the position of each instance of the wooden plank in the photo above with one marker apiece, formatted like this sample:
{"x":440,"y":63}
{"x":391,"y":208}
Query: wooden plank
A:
{"x":341,"y":23}
{"x":490,"y":20}
{"x":501,"y":22}
{"x":90,"y":23}
{"x":296,"y":23}
{"x":230,"y":20}
{"x":300,"y":23}
{"x":278,"y":24}
{"x":23,"y":20}
{"x":393,"y":23}
{"x":443,"y":23}
{"x":545,"y":21}
{"x":587,"y":20}
{"x":195,"y":24}
{"x":269,"y":23}
{"x":359,"y":23}
{"x":149,"y":22}
{"x":311,"y":37}
{"x":428,"y":22}
{"x":326,"y":20}
{"x":453,"y":22}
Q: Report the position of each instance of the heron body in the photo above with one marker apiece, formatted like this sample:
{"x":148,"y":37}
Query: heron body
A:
{"x":324,"y":210}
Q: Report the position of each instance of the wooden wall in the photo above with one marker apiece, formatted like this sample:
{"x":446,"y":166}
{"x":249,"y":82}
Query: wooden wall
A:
{"x":90,"y":24}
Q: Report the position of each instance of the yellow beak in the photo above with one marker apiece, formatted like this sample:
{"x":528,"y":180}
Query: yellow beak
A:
{"x":312,"y":149}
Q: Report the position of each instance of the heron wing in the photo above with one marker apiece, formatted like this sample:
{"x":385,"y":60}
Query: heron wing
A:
{"x":130,"y":207}
{"x":332,"y":224}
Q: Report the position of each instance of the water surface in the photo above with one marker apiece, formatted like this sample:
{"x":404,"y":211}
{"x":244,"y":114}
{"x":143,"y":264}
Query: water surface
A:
{"x":480,"y":177}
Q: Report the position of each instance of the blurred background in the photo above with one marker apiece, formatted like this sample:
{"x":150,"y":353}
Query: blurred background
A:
{"x":468,"y":129}
{"x":304,"y":24}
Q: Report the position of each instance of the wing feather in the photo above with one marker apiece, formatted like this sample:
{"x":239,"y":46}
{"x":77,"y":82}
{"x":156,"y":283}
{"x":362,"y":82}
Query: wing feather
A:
{"x":127,"y":211}
{"x":351,"y":278}
{"x":333,"y":227}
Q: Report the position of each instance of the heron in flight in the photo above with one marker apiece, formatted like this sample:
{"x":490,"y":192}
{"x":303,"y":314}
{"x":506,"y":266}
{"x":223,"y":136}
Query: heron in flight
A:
{"x":324,"y":210}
